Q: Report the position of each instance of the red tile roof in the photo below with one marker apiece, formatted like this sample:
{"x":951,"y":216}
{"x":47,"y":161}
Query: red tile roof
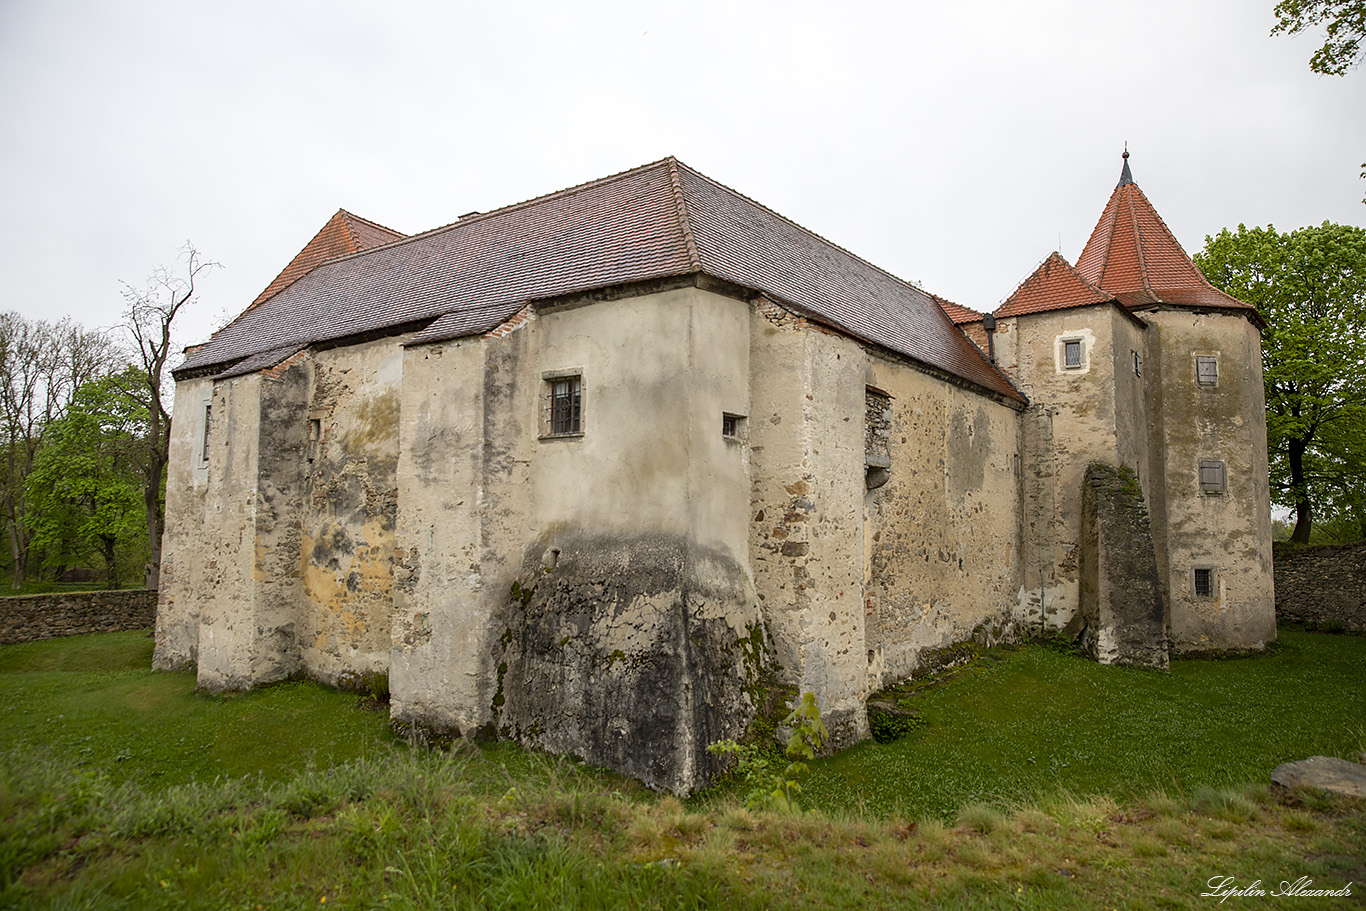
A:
{"x":1054,"y":285}
{"x":1134,"y":257}
{"x":658,"y":221}
{"x":957,"y":313}
{"x":344,"y":233}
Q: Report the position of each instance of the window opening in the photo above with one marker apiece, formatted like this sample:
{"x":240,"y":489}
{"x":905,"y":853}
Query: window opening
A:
{"x":1202,"y":582}
{"x":1212,"y":478}
{"x":315,"y":436}
{"x":1071,"y":353}
{"x":564,"y":405}
{"x":733,"y":426}
{"x":1207,"y":371}
{"x":208,"y":417}
{"x":1137,"y":368}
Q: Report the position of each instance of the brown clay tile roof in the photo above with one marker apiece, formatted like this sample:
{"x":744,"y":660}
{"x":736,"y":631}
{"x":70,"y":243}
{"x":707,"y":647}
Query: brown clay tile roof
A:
{"x":344,"y":233}
{"x":657,"y":221}
{"x":1134,"y":257}
{"x":956,"y":312}
{"x":1054,"y":285}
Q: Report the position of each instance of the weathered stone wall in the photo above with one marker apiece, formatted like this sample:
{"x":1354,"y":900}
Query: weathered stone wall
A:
{"x":30,"y":617}
{"x":1122,"y":612}
{"x":1071,"y":422}
{"x":807,"y":541}
{"x":942,"y":536}
{"x":1324,"y":585}
{"x":349,"y":496}
{"x":1226,"y":532}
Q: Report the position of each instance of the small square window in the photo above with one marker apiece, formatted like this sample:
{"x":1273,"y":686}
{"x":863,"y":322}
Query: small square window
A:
{"x":733,"y":426}
{"x":1207,"y":371}
{"x":1071,"y":353}
{"x":562,"y":406}
{"x":1212,"y":480}
{"x":1202,"y":582}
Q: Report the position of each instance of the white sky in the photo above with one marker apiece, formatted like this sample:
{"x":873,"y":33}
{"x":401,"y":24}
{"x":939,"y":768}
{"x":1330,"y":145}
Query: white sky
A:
{"x":954,"y":144}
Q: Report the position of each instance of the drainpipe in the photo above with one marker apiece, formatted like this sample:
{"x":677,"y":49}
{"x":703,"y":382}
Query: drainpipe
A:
{"x":989,"y":324}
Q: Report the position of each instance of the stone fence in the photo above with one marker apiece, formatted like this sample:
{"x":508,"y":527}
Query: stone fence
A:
{"x":1325,"y":585}
{"x":30,"y":617}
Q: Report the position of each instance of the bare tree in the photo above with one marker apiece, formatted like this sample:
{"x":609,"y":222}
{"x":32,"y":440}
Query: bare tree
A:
{"x":151,"y":313}
{"x":41,"y":366}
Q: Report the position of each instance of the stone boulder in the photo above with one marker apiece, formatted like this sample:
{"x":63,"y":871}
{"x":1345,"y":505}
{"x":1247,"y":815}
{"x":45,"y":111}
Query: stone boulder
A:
{"x":1322,"y":773}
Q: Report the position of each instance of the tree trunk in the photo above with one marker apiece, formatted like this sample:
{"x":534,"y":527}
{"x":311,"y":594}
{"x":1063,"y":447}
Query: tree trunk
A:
{"x":1303,"y":512}
{"x":151,"y":496}
{"x":111,"y":565}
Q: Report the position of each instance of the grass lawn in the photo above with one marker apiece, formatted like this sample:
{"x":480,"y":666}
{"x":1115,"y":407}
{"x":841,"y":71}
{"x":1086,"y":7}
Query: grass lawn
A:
{"x":1040,"y":780}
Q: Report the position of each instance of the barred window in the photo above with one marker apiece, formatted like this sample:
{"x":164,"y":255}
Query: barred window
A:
{"x":1202,"y":582}
{"x":564,"y":405}
{"x":1071,"y":353}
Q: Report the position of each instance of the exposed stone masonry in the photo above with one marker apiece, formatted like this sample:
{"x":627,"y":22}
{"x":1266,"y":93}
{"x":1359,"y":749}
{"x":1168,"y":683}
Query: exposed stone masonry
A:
{"x":31,"y":617}
{"x":1322,"y":585}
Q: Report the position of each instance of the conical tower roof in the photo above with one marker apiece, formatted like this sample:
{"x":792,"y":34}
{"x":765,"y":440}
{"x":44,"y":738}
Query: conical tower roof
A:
{"x":1133,"y":257}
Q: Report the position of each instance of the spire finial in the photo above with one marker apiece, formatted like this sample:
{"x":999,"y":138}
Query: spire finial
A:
{"x":1125,"y":177}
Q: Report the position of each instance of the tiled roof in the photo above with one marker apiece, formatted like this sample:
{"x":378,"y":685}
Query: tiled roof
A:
{"x":657,"y":221}
{"x":344,"y":233}
{"x":1134,"y":257}
{"x":1054,"y":285}
{"x":959,"y":314}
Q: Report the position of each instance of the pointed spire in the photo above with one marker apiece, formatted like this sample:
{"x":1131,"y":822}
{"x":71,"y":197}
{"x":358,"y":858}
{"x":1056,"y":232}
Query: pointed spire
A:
{"x":1126,"y":178}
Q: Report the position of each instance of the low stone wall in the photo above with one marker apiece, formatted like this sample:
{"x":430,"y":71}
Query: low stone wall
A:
{"x":30,"y":617}
{"x":1325,"y":585}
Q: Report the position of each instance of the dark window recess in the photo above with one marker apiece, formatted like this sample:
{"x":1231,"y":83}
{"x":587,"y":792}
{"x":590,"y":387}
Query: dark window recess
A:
{"x":733,"y":426}
{"x":1212,"y":478}
{"x":566,"y":405}
{"x":877,"y":434}
{"x":208,"y":416}
{"x":1137,"y":365}
{"x":1071,"y":353}
{"x":315,"y":436}
{"x":1202,"y":582}
{"x":1207,"y":371}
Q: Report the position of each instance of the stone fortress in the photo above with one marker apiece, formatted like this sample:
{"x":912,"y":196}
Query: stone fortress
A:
{"x":597,"y":470}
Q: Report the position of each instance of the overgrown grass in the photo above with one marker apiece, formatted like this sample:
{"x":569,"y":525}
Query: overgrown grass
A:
{"x":397,"y":827}
{"x":1024,"y":722}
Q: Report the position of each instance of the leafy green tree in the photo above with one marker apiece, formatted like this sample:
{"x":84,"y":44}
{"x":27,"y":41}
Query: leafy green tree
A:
{"x":1344,"y":24}
{"x":85,"y":488}
{"x":1310,"y":287}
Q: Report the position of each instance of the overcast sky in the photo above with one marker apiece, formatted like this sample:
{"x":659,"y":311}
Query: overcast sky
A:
{"x":954,"y":144}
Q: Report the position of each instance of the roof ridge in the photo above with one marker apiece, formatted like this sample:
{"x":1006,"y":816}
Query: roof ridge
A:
{"x":1143,"y":278}
{"x":803,"y":229}
{"x":684,"y":222}
{"x":483,"y":216}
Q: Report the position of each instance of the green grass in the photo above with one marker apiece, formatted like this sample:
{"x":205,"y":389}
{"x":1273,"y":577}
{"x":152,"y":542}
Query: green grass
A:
{"x":95,"y":699}
{"x":123,"y":788}
{"x":1024,"y":722}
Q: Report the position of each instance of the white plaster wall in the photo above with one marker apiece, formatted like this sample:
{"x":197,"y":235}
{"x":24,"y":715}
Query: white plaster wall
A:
{"x":439,"y":664}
